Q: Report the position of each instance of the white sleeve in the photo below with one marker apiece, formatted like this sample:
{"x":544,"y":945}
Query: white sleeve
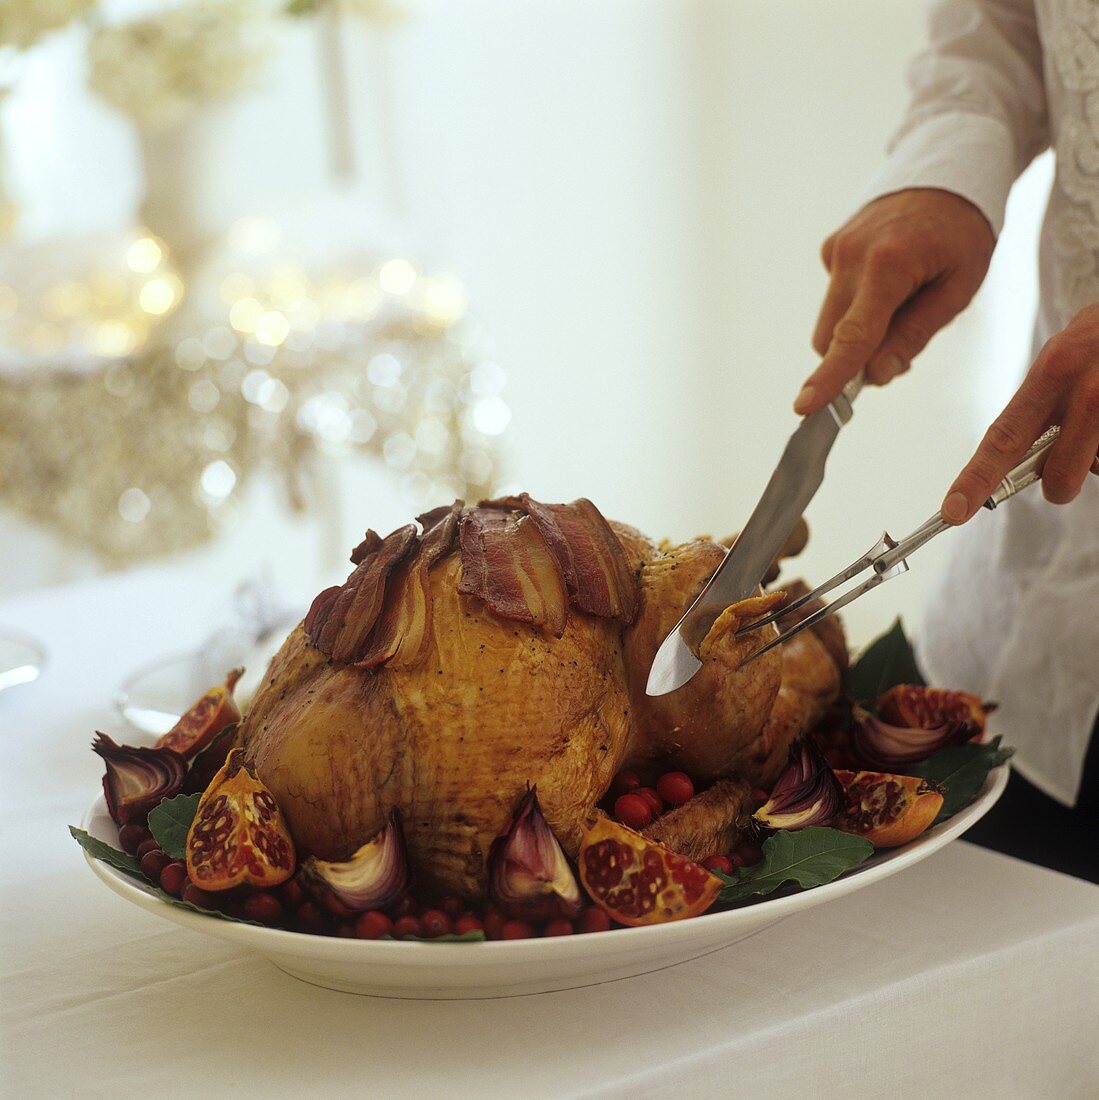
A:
{"x":978,"y":112}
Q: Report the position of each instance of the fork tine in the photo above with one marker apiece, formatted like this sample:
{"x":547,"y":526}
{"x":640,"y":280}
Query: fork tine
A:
{"x":856,"y":567}
{"x":831,"y":609}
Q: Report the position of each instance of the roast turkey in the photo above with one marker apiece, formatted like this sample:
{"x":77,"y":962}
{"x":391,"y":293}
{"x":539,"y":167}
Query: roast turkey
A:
{"x":507,"y":645}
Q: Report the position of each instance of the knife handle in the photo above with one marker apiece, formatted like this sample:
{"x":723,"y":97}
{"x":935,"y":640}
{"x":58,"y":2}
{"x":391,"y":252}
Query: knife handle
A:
{"x":840,"y":408}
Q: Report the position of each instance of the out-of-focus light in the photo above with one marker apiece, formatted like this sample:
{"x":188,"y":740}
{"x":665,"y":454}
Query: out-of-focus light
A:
{"x":445,"y":300}
{"x":9,"y":302}
{"x":218,"y":480}
{"x":397,"y":276}
{"x":158,"y":295}
{"x":144,"y":255}
{"x":190,"y":354}
{"x":235,"y":285}
{"x":491,"y":416}
{"x":203,"y":396}
{"x":133,"y":505}
{"x":111,"y":338}
{"x":244,"y":314}
{"x":384,"y":369}
{"x":272,"y":328}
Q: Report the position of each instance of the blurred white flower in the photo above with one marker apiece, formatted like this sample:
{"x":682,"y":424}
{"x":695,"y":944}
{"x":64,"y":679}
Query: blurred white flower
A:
{"x":159,"y":69}
{"x":23,"y":22}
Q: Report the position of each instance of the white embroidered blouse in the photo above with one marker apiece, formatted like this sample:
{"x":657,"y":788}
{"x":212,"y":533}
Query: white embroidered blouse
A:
{"x":1016,"y":618}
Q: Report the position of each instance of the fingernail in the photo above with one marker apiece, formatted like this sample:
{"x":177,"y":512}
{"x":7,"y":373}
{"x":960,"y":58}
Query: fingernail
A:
{"x":895,"y":366}
{"x":804,"y":399}
{"x":955,"y":507}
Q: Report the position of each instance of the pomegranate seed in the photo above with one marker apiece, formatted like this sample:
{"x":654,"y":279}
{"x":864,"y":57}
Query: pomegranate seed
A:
{"x":130,"y":837}
{"x":452,"y":906}
{"x":373,"y":925}
{"x":467,"y":923}
{"x":517,"y":930}
{"x":718,"y":863}
{"x":633,"y":811}
{"x":152,"y":863}
{"x":309,"y":918}
{"x":172,"y":878}
{"x":623,"y":783}
{"x":263,"y":907}
{"x":436,"y":923}
{"x":291,"y":893}
{"x":407,"y":925}
{"x":494,"y":924}
{"x":656,"y":803}
{"x":559,"y":927}
{"x":148,"y":845}
{"x":675,"y":788}
{"x":195,"y":895}
{"x":593,"y":920}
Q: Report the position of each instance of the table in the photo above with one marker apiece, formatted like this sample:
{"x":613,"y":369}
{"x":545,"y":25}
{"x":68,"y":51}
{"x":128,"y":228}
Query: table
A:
{"x":968,"y":975}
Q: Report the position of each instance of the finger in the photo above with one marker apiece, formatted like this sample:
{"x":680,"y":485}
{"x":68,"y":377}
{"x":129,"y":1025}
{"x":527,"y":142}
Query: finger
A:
{"x":911,"y":329}
{"x":1008,"y":438}
{"x":856,"y":335}
{"x":1072,"y":455}
{"x":837,"y":301}
{"x":826,"y":251}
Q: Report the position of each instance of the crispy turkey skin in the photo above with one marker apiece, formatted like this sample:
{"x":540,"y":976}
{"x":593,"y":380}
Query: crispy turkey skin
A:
{"x":488,"y":705}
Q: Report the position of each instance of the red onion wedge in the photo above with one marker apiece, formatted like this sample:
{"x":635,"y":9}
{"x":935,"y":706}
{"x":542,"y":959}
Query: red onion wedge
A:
{"x":529,"y":873}
{"x":137,"y":779}
{"x":374,"y":876}
{"x":807,"y":793}
{"x":888,"y":748}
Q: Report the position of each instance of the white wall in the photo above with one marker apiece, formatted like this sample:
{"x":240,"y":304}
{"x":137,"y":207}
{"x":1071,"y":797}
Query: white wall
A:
{"x":635,"y":195}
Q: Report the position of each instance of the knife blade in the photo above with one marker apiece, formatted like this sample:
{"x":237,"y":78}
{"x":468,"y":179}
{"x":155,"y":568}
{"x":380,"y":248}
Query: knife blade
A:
{"x":793,"y":485}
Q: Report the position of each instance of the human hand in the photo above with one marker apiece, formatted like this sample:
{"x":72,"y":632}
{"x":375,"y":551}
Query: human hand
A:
{"x":901,"y":268}
{"x":1061,"y":387}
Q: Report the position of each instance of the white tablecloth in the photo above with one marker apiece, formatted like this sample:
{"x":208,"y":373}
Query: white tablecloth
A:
{"x":970,"y":975}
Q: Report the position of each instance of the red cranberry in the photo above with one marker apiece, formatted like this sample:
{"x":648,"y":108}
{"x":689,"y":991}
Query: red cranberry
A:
{"x":558,"y":927}
{"x":172,"y":878}
{"x":623,"y":783}
{"x":435,"y":923}
{"x":452,"y":906}
{"x":675,"y":788}
{"x":130,"y":837}
{"x":517,"y":930}
{"x":407,"y":926}
{"x":263,"y":908}
{"x":373,"y":925}
{"x":718,"y":863}
{"x":195,"y":895}
{"x":335,"y":906}
{"x":593,"y":920}
{"x":633,"y":811}
{"x":310,"y":918}
{"x":466,"y":924}
{"x":148,"y":845}
{"x":346,"y":930}
{"x":494,"y":924}
{"x":291,"y":893}
{"x":152,"y":863}
{"x":656,"y":803}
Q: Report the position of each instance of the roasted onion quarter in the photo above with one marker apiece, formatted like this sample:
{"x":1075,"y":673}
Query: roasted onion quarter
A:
{"x":529,"y":873}
{"x":373,"y":877}
{"x":807,"y":793}
{"x":137,"y":779}
{"x":888,"y":748}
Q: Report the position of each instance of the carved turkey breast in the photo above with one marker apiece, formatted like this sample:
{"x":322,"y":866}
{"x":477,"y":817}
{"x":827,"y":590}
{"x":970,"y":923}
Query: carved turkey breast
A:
{"x":507,"y":645}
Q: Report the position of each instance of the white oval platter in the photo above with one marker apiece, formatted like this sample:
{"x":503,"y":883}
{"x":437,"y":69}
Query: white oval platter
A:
{"x":388,"y":968}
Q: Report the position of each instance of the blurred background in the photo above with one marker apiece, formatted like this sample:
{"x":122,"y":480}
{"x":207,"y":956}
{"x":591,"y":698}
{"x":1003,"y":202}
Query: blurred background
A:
{"x":274,"y":273}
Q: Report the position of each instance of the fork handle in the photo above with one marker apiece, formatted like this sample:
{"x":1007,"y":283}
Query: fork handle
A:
{"x":1027,"y":472}
{"x":840,"y":406}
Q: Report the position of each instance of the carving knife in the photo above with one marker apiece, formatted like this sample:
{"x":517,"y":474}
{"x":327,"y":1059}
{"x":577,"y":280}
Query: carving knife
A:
{"x":794,"y":483}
